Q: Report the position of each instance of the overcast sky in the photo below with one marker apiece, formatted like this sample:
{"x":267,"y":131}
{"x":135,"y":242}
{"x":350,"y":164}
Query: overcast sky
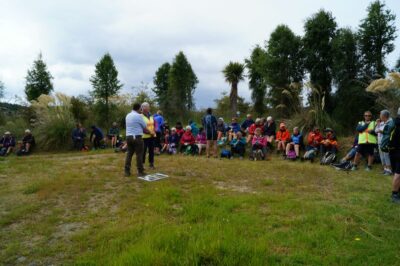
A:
{"x":141,"y":35}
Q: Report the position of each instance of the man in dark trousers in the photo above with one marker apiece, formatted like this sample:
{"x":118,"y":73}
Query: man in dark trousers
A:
{"x":149,"y":137}
{"x":96,"y":136}
{"x":135,"y":127}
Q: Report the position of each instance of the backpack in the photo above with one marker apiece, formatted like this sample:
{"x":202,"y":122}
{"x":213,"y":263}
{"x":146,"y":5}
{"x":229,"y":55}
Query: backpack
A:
{"x":310,"y":155}
{"x":328,"y":158}
{"x":258,"y":155}
{"x":291,"y":155}
{"x":226,"y":154}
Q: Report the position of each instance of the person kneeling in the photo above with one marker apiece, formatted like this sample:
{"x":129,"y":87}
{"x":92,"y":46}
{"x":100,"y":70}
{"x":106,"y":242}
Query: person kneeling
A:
{"x":28,"y":142}
{"x":188,"y":141}
{"x":259,"y":144}
{"x":238,"y":145}
{"x":295,"y":143}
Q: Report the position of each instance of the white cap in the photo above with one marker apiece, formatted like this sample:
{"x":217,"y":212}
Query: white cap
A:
{"x":7,"y":133}
{"x":173,"y":129}
{"x":221,"y":119}
{"x":258,"y":120}
{"x":269,"y":118}
{"x":189,"y":128}
{"x":27,"y":131}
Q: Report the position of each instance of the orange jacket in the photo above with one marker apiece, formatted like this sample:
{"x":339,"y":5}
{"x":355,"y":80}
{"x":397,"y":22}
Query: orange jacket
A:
{"x":283,"y":135}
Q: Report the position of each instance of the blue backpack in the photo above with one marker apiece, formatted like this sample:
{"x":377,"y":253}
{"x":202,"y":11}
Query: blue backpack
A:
{"x":226,"y":154}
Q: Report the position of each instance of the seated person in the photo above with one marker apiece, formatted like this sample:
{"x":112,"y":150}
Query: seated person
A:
{"x":188,"y":142}
{"x":221,"y":128}
{"x":282,"y":138}
{"x":235,"y":126}
{"x":78,"y":137}
{"x":295,"y":142}
{"x":270,"y":130}
{"x":201,"y":140}
{"x":164,"y":140}
{"x":247,"y":123}
{"x":238,"y":145}
{"x":253,"y":128}
{"x":173,"y":142}
{"x":314,"y":139}
{"x":27,"y":144}
{"x":258,"y":145}
{"x":179,"y":129}
{"x":113,"y":135}
{"x":96,"y":137}
{"x":7,"y":144}
{"x":329,"y":142}
{"x":349,"y":157}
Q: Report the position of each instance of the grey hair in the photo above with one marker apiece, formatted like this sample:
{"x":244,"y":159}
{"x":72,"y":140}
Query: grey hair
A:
{"x":385,"y":113}
{"x":145,"y":104}
{"x":296,"y":128}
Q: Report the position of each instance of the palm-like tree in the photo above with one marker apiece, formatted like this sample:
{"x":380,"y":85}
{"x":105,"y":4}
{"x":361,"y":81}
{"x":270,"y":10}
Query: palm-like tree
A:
{"x":233,"y":73}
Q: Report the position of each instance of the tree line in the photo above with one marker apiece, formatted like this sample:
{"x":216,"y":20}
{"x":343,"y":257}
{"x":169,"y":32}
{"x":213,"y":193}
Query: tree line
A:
{"x":329,"y":65}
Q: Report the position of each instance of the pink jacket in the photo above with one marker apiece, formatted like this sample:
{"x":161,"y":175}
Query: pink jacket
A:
{"x":201,"y":138}
{"x":261,"y":140}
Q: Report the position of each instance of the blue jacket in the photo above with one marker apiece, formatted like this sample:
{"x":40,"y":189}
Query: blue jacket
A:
{"x":297,"y":139}
{"x":97,"y":133}
{"x":173,"y":139}
{"x":236,"y":141}
{"x":195,"y":129}
{"x":7,"y":142}
{"x":235,"y":127}
{"x":159,"y":122}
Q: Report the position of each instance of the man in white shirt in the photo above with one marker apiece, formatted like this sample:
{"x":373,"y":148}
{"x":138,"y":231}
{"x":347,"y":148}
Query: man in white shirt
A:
{"x":135,"y":127}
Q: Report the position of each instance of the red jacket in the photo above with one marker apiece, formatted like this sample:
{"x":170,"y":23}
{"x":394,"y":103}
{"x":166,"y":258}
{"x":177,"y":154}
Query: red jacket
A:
{"x":314,"y":139}
{"x":283,"y":135}
{"x":253,"y":128}
{"x":187,"y":137}
{"x":261,"y":140}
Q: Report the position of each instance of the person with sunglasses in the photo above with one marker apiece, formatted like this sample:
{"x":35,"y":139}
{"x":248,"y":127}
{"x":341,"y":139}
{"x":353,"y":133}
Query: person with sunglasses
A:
{"x":367,"y":141}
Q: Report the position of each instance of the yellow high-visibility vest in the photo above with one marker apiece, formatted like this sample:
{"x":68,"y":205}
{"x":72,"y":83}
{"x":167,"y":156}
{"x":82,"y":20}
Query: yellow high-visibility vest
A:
{"x":150,"y":126}
{"x":365,"y":137}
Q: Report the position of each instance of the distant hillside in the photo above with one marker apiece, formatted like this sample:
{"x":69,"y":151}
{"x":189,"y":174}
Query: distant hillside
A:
{"x":11,"y":108}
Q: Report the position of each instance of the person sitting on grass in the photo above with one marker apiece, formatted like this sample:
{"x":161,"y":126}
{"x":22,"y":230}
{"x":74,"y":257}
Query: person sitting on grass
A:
{"x":179,"y":129}
{"x":253,"y":128}
{"x":113,"y":135}
{"x":259,"y":145}
{"x":188,"y":142}
{"x":329,"y":142}
{"x":282,"y":138}
{"x":201,"y":140}
{"x":173,"y":142}
{"x":195,"y":129}
{"x":345,"y":162}
{"x":78,"y":137}
{"x":238,"y":145}
{"x":96,"y":137}
{"x":270,"y":131}
{"x":7,"y":144}
{"x":247,"y":123}
{"x":235,"y":126}
{"x":221,"y":128}
{"x":314,"y":139}
{"x":295,"y":142}
{"x":27,"y":144}
{"x":164,"y":140}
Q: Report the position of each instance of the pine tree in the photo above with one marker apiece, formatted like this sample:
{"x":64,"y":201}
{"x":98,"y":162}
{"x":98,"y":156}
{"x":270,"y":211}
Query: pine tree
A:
{"x":38,"y":80}
{"x":377,"y":34}
{"x":160,"y":89}
{"x":256,"y":68}
{"x":182,"y":83}
{"x":105,"y":82}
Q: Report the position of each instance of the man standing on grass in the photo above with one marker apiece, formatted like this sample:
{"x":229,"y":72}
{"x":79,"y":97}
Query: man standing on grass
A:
{"x":210,"y":125}
{"x":367,"y":141}
{"x":135,"y":127}
{"x":149,"y":137}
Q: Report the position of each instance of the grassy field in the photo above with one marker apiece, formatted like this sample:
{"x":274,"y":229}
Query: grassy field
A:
{"x":79,"y":209}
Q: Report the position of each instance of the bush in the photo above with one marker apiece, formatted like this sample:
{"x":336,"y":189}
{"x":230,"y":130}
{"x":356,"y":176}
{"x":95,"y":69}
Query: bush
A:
{"x":54,"y":121}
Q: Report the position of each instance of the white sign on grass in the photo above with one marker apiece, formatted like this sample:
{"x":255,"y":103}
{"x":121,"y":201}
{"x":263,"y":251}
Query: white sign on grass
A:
{"x":153,"y":177}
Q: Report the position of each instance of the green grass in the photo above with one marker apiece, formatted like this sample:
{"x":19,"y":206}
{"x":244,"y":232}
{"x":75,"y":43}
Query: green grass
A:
{"x":78,"y":209}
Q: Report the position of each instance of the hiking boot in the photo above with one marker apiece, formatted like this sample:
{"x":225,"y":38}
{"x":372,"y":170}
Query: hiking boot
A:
{"x":354,"y":168}
{"x":141,"y":174}
{"x":387,"y":172}
{"x":396,"y":198}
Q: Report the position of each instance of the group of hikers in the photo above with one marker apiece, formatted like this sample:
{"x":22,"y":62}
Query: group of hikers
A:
{"x":375,"y":140}
{"x":8,"y":144}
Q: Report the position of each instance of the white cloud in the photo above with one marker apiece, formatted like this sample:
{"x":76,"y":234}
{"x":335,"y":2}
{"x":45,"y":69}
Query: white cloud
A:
{"x":141,"y":35}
